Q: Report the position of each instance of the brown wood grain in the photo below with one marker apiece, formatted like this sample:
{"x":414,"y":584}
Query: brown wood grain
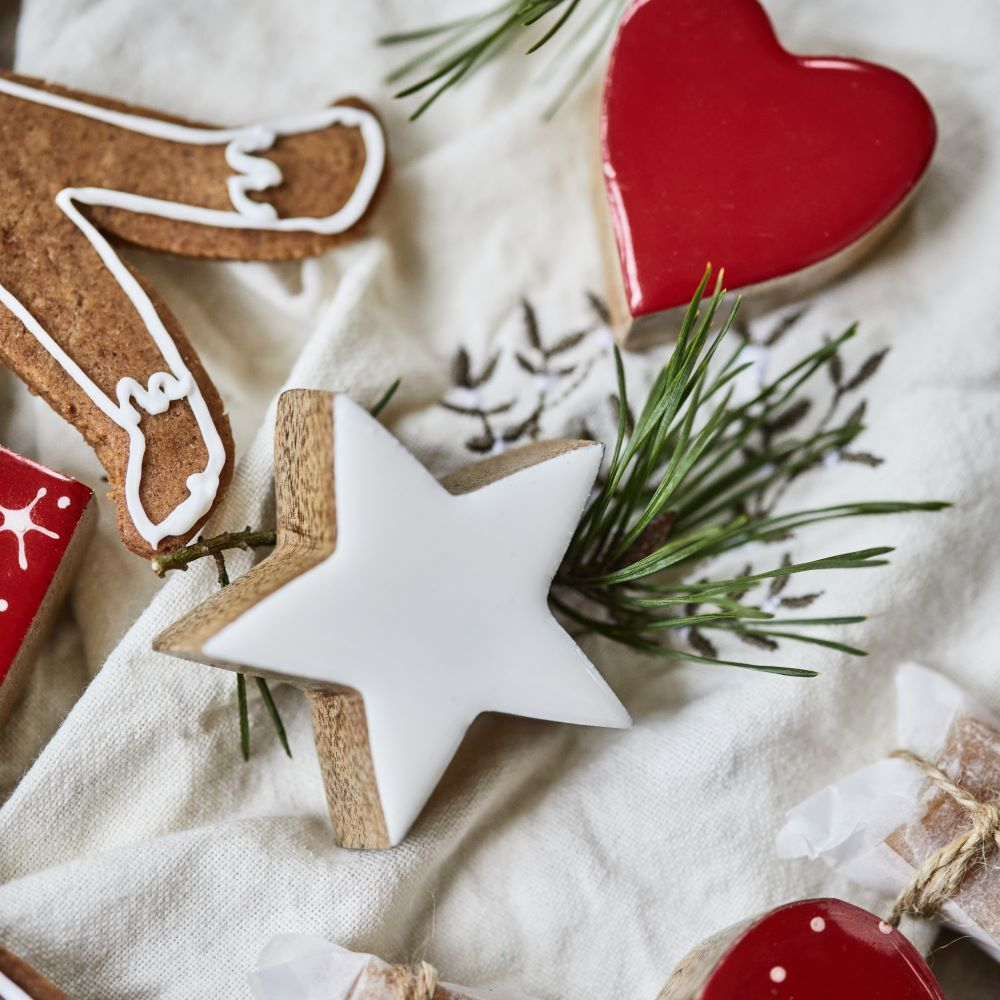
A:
{"x":693,"y":970}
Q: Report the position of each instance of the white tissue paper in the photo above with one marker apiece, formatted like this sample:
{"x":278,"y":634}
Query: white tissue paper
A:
{"x":847,"y":823}
{"x":306,"y":967}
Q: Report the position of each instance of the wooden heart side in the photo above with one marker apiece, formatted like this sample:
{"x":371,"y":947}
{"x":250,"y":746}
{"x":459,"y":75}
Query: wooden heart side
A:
{"x":816,"y":949}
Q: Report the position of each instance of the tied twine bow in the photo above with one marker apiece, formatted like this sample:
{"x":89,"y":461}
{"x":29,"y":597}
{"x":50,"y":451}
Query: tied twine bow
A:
{"x":941,"y":876}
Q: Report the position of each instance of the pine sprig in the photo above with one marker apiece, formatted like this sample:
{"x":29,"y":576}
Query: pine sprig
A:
{"x":454,"y":50}
{"x":675,"y":495}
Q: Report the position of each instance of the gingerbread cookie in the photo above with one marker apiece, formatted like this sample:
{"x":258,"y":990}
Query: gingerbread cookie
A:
{"x":87,"y":333}
{"x":19,"y":981}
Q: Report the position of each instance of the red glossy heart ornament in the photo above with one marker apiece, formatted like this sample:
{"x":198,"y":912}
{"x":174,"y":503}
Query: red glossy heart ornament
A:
{"x":718,"y":145}
{"x":43,"y":521}
{"x":817,"y":949}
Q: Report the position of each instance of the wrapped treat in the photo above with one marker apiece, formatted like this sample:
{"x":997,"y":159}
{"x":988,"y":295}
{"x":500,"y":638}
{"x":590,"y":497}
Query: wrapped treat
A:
{"x":923,"y":825}
{"x":304,"y":967}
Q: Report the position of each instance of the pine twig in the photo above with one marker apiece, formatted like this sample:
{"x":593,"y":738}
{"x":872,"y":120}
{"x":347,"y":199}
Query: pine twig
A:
{"x":385,"y":399}
{"x":455,"y":50}
{"x":275,"y":716}
{"x":248,"y":538}
{"x":241,"y":699}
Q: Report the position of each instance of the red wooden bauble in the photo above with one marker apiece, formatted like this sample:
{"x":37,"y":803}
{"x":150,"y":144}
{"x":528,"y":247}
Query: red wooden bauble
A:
{"x":719,"y":146}
{"x":821,"y":949}
{"x":36,"y":504}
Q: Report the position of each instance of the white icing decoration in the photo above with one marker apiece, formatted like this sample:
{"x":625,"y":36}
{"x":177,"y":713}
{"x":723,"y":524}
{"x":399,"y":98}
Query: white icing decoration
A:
{"x":884,"y":928}
{"x":63,"y":502}
{"x":19,"y":523}
{"x":818,"y":924}
{"x":3,"y":605}
{"x":11,"y":991}
{"x":778,"y":974}
{"x":253,"y":173}
{"x":467,"y":580}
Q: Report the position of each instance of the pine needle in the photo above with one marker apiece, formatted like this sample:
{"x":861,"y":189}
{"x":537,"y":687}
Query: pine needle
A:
{"x":272,"y":711}
{"x":241,"y":698}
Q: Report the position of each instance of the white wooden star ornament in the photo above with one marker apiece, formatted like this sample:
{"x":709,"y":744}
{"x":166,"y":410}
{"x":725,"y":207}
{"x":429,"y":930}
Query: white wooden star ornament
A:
{"x":404,"y":605}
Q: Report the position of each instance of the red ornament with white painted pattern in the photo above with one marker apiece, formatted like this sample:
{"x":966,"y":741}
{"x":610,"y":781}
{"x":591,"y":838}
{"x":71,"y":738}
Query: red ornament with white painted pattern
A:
{"x":42,"y":519}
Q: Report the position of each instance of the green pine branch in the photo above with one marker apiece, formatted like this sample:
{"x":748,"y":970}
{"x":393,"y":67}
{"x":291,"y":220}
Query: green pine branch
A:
{"x":680,"y":491}
{"x":453,"y":51}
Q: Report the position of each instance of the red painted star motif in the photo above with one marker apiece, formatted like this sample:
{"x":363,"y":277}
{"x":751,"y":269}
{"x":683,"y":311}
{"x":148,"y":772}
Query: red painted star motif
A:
{"x":42,"y":514}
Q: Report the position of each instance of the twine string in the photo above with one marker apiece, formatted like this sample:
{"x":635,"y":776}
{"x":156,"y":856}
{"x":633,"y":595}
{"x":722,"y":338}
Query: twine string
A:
{"x":398,"y":982}
{"x":942,"y":875}
{"x":413,"y":982}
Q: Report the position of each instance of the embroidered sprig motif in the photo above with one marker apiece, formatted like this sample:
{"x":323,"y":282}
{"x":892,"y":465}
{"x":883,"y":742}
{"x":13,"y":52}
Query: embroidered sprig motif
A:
{"x":832,"y":442}
{"x":698,"y":475}
{"x":544,"y":373}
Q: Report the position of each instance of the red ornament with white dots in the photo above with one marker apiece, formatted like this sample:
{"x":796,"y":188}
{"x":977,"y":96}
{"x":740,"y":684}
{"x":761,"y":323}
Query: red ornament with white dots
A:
{"x":815,"y":949}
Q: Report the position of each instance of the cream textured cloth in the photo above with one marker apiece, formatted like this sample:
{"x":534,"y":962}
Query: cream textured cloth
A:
{"x":141,"y":859}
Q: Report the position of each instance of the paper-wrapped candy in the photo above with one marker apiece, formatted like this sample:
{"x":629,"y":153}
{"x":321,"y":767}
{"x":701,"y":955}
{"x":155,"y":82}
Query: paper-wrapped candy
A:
{"x":304,"y":967}
{"x":923,"y":825}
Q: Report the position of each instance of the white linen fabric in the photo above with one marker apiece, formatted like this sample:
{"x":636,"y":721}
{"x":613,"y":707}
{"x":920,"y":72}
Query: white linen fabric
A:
{"x":140,"y":858}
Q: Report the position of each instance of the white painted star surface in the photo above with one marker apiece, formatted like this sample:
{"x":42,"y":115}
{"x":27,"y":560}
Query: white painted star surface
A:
{"x":433,"y":606}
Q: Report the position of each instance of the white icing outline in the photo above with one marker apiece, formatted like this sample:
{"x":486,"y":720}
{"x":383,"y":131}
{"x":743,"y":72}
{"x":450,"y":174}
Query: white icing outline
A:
{"x":11,"y":991}
{"x":253,"y":173}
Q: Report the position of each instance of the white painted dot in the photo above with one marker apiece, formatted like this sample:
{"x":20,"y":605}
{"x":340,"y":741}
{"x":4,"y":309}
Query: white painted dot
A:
{"x":3,"y":605}
{"x":63,"y":502}
{"x":818,"y":924}
{"x":884,"y":927}
{"x":778,"y":974}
